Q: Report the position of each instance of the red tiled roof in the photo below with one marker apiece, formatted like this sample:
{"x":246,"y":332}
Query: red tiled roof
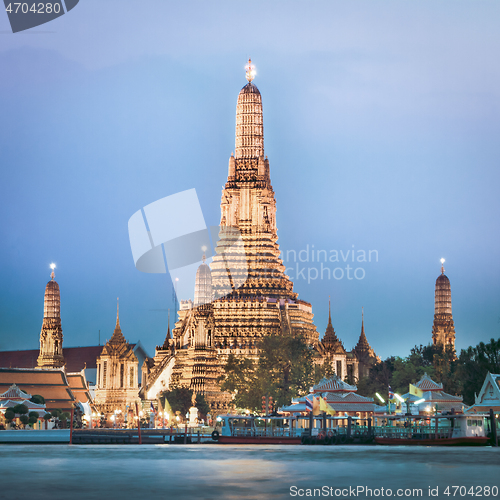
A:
{"x":75,"y":357}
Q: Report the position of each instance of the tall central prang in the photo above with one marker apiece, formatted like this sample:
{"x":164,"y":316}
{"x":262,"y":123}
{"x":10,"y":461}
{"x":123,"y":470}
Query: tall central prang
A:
{"x":252,"y":297}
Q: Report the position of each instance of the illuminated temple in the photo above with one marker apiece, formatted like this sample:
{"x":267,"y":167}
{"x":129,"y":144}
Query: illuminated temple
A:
{"x":244,"y":294}
{"x":443,"y":328}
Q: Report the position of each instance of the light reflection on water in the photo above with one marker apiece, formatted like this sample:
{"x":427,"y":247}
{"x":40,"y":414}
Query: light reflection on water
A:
{"x":233,"y":472}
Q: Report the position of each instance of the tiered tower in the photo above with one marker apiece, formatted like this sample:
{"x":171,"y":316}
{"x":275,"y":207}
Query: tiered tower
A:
{"x":51,"y":337}
{"x":252,"y":295}
{"x":443,"y":329}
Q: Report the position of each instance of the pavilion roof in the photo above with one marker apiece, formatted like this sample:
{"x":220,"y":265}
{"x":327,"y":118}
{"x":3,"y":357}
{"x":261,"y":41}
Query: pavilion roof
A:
{"x":52,"y":385}
{"x":13,"y":392}
{"x":427,"y":384}
{"x":333,"y":384}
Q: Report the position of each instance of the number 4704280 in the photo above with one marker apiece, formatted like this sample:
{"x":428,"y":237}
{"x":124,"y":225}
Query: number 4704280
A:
{"x":40,"y":8}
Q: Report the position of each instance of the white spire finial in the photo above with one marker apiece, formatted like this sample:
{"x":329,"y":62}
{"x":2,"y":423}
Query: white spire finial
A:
{"x":442,"y":266}
{"x":250,"y":70}
{"x":52,"y":274}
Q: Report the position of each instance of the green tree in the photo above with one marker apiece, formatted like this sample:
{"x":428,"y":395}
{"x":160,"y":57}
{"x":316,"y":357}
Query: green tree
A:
{"x":178,"y":398}
{"x":285,"y":369}
{"x":46,"y":418}
{"x":20,"y":409}
{"x":202,"y":405}
{"x":24,"y":419}
{"x":9,"y":415}
{"x":474,"y":364}
{"x":39,"y":400}
{"x":32,"y":417}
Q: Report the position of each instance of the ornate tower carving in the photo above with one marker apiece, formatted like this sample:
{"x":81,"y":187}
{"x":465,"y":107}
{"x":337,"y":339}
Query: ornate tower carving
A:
{"x":203,"y":285}
{"x":117,"y":373}
{"x":443,"y":329}
{"x":51,"y":337}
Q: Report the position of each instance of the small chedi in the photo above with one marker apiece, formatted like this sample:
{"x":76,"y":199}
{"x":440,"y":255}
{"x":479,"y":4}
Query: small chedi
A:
{"x":244,"y":294}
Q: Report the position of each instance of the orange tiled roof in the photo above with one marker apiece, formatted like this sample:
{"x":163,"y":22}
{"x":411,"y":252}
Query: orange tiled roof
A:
{"x":51,"y":384}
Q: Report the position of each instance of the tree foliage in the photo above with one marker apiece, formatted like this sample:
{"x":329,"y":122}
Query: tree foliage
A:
{"x":462,"y":375}
{"x":179,"y":399}
{"x":284,"y":370}
{"x":39,"y":400}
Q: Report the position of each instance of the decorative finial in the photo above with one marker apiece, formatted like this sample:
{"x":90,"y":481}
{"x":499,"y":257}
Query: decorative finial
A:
{"x":52,"y":274}
{"x":117,"y":312}
{"x":204,"y":249}
{"x":442,"y":266}
{"x":250,"y":69}
{"x":329,"y":311}
{"x":362,"y":314}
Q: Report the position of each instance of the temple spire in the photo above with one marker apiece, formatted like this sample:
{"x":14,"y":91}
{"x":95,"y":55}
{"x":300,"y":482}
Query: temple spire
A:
{"x":249,"y":120}
{"x":329,"y":311}
{"x":51,"y":337}
{"x":443,"y":329}
{"x":117,"y":312}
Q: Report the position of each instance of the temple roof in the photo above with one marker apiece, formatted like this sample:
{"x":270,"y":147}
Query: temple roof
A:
{"x":363,"y":348}
{"x":52,"y":384}
{"x":333,"y":384}
{"x":13,"y":392}
{"x":330,"y":339}
{"x":427,"y":384}
{"x":76,"y":358}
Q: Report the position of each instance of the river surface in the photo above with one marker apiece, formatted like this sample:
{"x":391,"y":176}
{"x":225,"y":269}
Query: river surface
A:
{"x":243,"y":472}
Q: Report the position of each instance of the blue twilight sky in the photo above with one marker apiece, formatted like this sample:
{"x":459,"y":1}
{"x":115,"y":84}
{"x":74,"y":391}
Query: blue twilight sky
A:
{"x":382,"y":127}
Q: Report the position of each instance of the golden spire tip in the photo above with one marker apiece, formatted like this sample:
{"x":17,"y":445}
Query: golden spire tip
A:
{"x":250,"y":70}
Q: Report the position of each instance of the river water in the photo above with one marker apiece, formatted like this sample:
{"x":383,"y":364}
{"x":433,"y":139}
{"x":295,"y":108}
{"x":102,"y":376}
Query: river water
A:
{"x":214,"y":471}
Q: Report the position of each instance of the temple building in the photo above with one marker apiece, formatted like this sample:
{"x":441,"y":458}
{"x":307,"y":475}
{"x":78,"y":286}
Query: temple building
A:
{"x":117,"y":374}
{"x":244,"y":294}
{"x":443,"y":328}
{"x":341,"y":397}
{"x":352,"y":365}
{"x":488,"y":397}
{"x":51,"y":337}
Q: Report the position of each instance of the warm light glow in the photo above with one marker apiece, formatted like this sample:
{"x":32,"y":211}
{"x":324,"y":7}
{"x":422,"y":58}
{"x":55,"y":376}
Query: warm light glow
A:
{"x":204,"y":248}
{"x":380,"y":397}
{"x":141,"y":414}
{"x":176,"y":279}
{"x":52,"y":266}
{"x":419,"y":401}
{"x":399,"y":398}
{"x":250,"y":71}
{"x":177,"y":418}
{"x":442,"y":261}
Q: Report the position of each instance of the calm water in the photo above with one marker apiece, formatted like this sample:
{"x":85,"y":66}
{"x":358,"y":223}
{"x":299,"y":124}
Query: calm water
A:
{"x":235,"y":472}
